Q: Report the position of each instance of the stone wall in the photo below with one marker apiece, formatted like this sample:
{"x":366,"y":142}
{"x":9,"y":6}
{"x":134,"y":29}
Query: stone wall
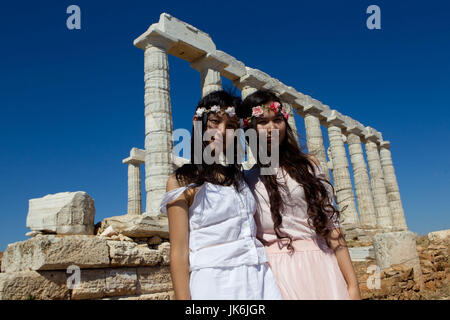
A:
{"x":43,"y":268}
{"x":398,"y":281}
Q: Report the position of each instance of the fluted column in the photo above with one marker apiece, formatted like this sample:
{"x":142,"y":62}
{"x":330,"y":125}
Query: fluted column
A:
{"x":134,"y":162}
{"x":384,"y":217}
{"x":248,"y":84}
{"x":158,"y":124}
{"x":291,"y":120}
{"x":366,"y":206}
{"x":341,"y":174}
{"x":210,"y":78}
{"x":314,"y":140}
{"x":392,"y":189}
{"x":134,"y":188}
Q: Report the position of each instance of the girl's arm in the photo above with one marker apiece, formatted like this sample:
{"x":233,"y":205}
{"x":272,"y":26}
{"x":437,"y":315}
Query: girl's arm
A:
{"x":338,"y":244}
{"x":177,"y":211}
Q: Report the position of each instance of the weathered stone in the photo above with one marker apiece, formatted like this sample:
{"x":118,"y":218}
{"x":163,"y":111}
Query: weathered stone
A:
{"x":56,"y":252}
{"x":33,"y":233}
{"x":30,"y":285}
{"x":154,"y":240}
{"x":152,"y":280}
{"x":109,"y":232}
{"x":92,"y":284}
{"x":125,"y":253}
{"x":439,"y":235}
{"x":164,"y":249}
{"x":136,"y":226}
{"x":152,"y":296}
{"x":62,"y":213}
{"x":121,"y":281}
{"x":397,"y":248}
{"x":106,"y":282}
{"x":361,"y":253}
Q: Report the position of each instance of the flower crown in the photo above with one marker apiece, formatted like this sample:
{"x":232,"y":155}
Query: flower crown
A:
{"x":258,"y":111}
{"x":230,"y":110}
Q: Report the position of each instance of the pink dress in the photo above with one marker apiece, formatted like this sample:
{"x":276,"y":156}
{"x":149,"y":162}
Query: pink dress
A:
{"x":312,"y":271}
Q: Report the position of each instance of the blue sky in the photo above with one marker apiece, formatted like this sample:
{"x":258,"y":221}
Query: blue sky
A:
{"x":72,"y":101}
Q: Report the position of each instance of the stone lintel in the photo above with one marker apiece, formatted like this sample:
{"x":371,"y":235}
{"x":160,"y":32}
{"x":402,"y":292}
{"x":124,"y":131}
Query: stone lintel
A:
{"x":234,"y":69}
{"x":208,"y":61}
{"x":177,"y":37}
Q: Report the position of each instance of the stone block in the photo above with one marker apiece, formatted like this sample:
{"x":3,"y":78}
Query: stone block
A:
{"x":154,"y":279}
{"x":397,"y":248}
{"x":129,"y":254}
{"x":138,"y":226}
{"x":62,"y":213}
{"x":56,"y":252}
{"x":34,"y":285}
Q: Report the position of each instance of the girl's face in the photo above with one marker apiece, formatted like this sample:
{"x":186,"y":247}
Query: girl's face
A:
{"x":222,"y":126}
{"x":269,"y":121}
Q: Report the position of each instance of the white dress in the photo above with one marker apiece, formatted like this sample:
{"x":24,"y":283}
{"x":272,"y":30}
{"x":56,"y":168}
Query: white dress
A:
{"x":226,"y":260}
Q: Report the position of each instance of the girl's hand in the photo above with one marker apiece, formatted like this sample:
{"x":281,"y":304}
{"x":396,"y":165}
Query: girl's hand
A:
{"x":354,"y":293}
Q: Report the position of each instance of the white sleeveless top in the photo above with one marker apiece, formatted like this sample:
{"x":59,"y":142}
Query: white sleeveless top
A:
{"x":222,"y":229}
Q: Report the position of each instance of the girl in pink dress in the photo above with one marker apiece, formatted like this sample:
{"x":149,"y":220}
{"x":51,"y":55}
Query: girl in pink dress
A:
{"x":296,"y":218}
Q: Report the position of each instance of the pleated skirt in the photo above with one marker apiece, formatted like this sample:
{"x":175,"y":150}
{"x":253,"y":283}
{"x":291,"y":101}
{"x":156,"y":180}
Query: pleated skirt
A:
{"x":310,"y":273}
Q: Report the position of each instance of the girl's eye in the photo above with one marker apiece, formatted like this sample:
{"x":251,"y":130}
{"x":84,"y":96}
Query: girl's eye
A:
{"x":214,"y":121}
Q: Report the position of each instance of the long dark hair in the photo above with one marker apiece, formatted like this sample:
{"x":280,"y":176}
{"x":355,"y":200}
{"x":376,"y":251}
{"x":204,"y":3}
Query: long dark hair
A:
{"x":203,"y":172}
{"x":299,"y":167}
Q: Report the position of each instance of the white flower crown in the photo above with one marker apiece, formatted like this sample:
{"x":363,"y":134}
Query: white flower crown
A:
{"x":230,"y":110}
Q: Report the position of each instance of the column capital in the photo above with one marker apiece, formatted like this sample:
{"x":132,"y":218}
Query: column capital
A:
{"x":353,"y":126}
{"x":334,"y":118}
{"x":253,"y":78}
{"x":155,"y":37}
{"x":137,"y":156}
{"x":370,"y":134}
{"x":310,"y":106}
{"x":385,"y":144}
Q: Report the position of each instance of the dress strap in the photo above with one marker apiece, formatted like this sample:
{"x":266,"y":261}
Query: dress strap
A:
{"x":172,"y":195}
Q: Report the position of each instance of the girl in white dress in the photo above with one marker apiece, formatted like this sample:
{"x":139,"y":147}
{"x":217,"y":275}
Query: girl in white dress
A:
{"x":214,"y":252}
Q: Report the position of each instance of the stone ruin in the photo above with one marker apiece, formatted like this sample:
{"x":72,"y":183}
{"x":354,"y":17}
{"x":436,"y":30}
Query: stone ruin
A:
{"x":127,"y":257}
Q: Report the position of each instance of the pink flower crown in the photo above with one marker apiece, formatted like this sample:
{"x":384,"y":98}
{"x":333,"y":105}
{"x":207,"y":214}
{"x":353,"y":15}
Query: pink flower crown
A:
{"x":258,"y":111}
{"x":230,"y":110}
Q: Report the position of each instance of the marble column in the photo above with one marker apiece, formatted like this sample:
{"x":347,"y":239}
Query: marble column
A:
{"x":210,"y":78}
{"x":134,"y":161}
{"x":384,"y":217}
{"x":291,"y":120}
{"x":341,"y":174}
{"x":366,"y":206}
{"x":314,"y":139}
{"x":248,"y":84}
{"x":392,"y":189}
{"x":158,"y":123}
